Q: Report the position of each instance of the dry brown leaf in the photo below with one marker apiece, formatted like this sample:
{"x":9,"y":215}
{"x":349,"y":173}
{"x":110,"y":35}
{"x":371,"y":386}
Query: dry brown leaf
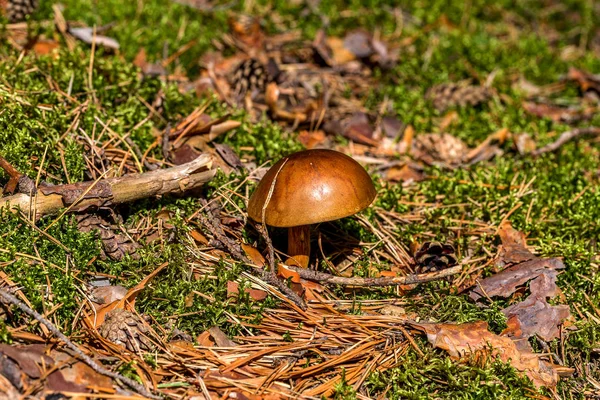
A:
{"x":221,"y":339}
{"x":254,"y":255}
{"x":284,"y":272}
{"x":585,"y":80}
{"x":312,"y":139}
{"x":514,"y":246}
{"x":107,"y":294}
{"x":534,"y":315}
{"x":407,"y":173}
{"x":506,"y":282}
{"x":45,"y":47}
{"x":233,"y":289}
{"x":312,"y":290}
{"x":127,"y":302}
{"x":199,"y":237}
{"x":464,"y":339}
{"x":486,"y":149}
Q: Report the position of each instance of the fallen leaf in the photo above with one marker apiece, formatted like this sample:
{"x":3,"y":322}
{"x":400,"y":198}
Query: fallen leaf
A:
{"x":514,"y":246}
{"x":407,"y":174}
{"x":228,"y":155}
{"x":127,"y":302}
{"x":356,"y":128}
{"x":312,"y":139}
{"x":199,"y":237}
{"x":585,"y":80}
{"x":464,"y":339}
{"x":392,"y":127}
{"x":536,"y":317}
{"x":487,"y":149}
{"x":254,"y":255}
{"x":506,"y":282}
{"x":107,"y":294}
{"x":233,"y":289}
{"x":284,"y":272}
{"x":45,"y":47}
{"x":81,"y":374}
{"x":221,"y":338}
{"x":312,"y":290}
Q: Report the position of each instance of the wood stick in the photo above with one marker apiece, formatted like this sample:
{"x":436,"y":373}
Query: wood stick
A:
{"x":566,"y":137}
{"x":323,"y":277}
{"x":107,"y":192}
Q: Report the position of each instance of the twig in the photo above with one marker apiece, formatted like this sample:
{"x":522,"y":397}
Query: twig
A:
{"x":106,"y":192}
{"x":323,"y":277}
{"x":564,"y":138}
{"x":271,"y":277}
{"x":213,"y":224}
{"x":9,"y":298}
{"x":17,"y":180}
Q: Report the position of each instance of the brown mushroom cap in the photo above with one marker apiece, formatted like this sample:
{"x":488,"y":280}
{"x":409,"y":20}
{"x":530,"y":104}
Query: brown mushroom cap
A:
{"x":312,"y":186}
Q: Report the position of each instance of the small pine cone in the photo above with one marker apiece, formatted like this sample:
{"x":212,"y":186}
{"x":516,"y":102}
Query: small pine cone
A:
{"x":115,"y":245}
{"x":18,"y":10}
{"x":449,"y":95}
{"x":434,"y":256}
{"x":248,"y":76}
{"x":126,"y":329}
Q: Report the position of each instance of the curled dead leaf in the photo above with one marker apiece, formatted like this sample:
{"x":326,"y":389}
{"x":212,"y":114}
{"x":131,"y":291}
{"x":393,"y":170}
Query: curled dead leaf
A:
{"x":464,"y":339}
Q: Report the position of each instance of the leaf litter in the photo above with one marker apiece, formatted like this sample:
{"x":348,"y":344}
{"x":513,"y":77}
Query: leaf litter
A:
{"x":292,"y":351}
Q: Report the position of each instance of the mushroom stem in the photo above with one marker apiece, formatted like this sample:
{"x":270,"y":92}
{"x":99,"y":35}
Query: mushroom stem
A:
{"x":299,"y":245}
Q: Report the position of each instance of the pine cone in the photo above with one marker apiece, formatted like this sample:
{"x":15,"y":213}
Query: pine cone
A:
{"x":434,"y":256}
{"x":115,"y":245}
{"x":461,"y":94}
{"x":248,"y":76}
{"x":18,"y":10}
{"x":126,"y":329}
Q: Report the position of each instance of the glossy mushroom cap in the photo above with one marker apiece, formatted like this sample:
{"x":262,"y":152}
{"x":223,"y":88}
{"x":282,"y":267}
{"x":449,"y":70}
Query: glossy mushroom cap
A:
{"x":309,"y":187}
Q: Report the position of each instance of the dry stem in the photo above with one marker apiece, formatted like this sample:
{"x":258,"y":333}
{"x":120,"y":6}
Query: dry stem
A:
{"x":106,"y":192}
{"x":565,"y":137}
{"x":323,"y":277}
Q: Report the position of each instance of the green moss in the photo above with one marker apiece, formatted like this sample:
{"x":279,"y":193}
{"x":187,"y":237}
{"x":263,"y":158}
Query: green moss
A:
{"x":441,"y":42}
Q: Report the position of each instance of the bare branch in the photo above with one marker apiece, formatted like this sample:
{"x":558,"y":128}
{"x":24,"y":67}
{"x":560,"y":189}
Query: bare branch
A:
{"x":107,"y":192}
{"x":323,"y":277}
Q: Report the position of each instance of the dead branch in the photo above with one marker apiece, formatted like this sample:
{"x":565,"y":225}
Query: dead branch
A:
{"x":17,"y":179}
{"x":564,"y":138}
{"x":10,"y":299}
{"x":323,"y":277}
{"x":107,"y":192}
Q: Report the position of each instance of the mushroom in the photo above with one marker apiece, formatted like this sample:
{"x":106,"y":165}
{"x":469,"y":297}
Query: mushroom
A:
{"x":310,"y":187}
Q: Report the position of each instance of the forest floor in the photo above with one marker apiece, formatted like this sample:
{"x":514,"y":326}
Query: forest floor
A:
{"x":478,"y":124}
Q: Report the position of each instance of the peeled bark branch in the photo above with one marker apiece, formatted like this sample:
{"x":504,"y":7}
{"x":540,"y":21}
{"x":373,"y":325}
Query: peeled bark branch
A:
{"x":108,"y":192}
